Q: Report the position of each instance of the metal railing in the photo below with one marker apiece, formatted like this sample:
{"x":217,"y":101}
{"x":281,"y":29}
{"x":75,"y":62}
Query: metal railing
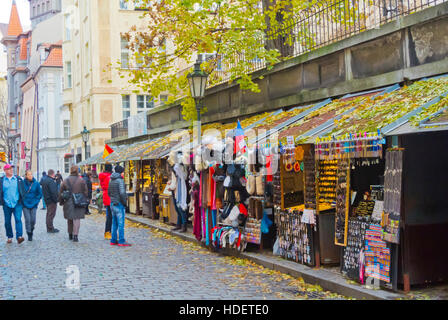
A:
{"x":119,"y":129}
{"x":324,"y":23}
{"x":327,"y":22}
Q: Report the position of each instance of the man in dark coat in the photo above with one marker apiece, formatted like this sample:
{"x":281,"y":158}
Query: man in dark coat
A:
{"x":44,"y":175}
{"x":58,"y":179}
{"x":75,"y":184}
{"x":88,"y":179}
{"x":50,"y":192}
{"x":118,"y":202}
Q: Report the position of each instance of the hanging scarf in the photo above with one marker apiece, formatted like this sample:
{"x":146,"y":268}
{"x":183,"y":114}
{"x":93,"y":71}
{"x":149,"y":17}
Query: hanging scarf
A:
{"x":181,"y":175}
{"x":197,"y":214}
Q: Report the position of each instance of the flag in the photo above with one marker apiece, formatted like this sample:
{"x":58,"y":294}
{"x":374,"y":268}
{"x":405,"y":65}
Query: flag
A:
{"x":240,"y":143}
{"x":107,"y":151}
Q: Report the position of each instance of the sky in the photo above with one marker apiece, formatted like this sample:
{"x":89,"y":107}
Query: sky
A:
{"x":24,"y":12}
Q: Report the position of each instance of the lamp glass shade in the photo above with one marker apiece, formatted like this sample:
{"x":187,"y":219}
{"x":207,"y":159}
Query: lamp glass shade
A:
{"x":85,"y":135}
{"x":197,"y":81}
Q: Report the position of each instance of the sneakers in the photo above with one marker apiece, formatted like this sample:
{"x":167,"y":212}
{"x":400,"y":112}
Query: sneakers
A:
{"x":53,"y":231}
{"x":20,"y":240}
{"x":124,"y":244}
{"x":114,"y":243}
{"x":107,"y":235}
{"x":9,"y":241}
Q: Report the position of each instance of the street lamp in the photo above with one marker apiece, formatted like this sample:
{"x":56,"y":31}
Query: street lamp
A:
{"x":85,"y":137}
{"x":198,"y":81}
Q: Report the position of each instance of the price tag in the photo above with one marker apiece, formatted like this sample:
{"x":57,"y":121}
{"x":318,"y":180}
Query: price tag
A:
{"x":290,"y":141}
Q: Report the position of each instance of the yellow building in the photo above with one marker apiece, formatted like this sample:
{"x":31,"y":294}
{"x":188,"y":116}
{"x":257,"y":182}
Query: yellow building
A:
{"x":93,"y":91}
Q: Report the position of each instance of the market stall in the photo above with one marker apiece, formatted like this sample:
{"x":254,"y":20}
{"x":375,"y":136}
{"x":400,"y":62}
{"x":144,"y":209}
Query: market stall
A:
{"x":370,"y":180}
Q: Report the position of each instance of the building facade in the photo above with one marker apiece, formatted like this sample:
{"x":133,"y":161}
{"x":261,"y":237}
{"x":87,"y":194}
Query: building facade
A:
{"x":34,"y":80}
{"x":93,"y":90}
{"x":16,"y":43}
{"x":41,"y":10}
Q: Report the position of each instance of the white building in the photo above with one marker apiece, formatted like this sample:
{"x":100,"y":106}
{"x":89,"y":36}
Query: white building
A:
{"x":54,"y":117}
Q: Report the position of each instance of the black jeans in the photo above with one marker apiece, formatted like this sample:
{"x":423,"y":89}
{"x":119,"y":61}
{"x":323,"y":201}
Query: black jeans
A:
{"x":108,"y":220}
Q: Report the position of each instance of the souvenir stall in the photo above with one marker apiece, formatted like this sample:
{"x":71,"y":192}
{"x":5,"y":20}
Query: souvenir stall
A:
{"x":359,"y":168}
{"x":260,"y":187}
{"x":294,"y":202}
{"x":305,"y":216}
{"x":155,"y":176}
{"x":370,"y":218}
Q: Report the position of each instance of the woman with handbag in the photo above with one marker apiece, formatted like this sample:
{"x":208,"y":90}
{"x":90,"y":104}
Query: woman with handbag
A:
{"x":73,"y":197}
{"x":32,"y":194}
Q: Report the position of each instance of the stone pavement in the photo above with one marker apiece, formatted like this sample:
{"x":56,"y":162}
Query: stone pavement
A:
{"x":157,"y":266}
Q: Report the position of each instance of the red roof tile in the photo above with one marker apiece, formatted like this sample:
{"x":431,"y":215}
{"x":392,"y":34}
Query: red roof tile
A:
{"x":54,"y":59}
{"x":15,"y":27}
{"x":23,"y":48}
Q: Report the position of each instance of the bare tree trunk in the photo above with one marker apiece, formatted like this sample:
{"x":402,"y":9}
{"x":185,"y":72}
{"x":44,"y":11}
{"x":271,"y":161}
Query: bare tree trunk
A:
{"x":279,"y":40}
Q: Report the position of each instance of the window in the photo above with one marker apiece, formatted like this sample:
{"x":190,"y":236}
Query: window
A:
{"x":66,"y":129}
{"x":144,"y":102}
{"x":126,"y":106}
{"x":38,"y":9}
{"x":43,"y":7}
{"x":48,"y":6}
{"x":163,"y":98}
{"x":68,"y":67}
{"x":139,"y":5}
{"x":209,"y":56}
{"x":162,"y":51}
{"x":68,"y":31}
{"x":124,"y":53}
{"x":67,"y":165}
{"x":123,"y":5}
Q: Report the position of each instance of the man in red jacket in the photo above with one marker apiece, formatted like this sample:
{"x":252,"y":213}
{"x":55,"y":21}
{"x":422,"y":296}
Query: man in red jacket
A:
{"x":104,"y":183}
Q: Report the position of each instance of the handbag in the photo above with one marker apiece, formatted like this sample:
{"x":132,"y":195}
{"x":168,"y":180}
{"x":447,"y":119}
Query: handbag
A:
{"x":79,"y":199}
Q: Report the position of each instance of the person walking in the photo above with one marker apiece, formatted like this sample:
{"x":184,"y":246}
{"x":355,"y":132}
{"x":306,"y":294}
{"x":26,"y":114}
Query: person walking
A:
{"x":118,"y":200}
{"x":74,"y":184}
{"x":88,"y":179}
{"x":44,"y":174}
{"x":104,"y":178}
{"x":58,"y":179}
{"x":11,"y":191}
{"x":50,"y":193}
{"x":32,"y":193}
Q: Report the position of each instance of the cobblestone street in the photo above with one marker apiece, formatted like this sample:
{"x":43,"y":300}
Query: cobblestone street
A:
{"x":155,"y":267}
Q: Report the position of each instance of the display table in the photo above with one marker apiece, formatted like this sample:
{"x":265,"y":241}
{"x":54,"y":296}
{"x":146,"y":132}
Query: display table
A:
{"x":168,"y":211}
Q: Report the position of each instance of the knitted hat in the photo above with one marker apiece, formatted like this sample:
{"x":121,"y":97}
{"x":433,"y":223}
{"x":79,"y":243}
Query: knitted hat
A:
{"x":108,"y":167}
{"x":119,"y":169}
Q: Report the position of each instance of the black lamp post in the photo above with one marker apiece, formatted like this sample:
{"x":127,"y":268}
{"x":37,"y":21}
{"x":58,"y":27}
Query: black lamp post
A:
{"x":198,"y":82}
{"x":85,"y":138}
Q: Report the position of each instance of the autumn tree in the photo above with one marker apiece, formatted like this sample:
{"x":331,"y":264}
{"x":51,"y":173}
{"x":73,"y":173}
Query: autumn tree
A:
{"x":238,"y":35}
